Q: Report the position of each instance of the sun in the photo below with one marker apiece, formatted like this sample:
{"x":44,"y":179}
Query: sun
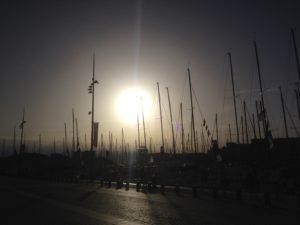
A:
{"x":133,"y":103}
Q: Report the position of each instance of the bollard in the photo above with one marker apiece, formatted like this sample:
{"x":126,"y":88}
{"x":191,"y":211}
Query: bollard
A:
{"x":177,"y":190}
{"x":267,"y":198}
{"x":127,"y":185}
{"x":138,"y":186}
{"x":109,"y":184}
{"x":101,"y":183}
{"x":149,"y":188}
{"x":238,"y":194}
{"x":195,"y":193}
{"x":162,"y":189}
{"x":143,"y":187}
{"x":154,"y":186}
{"x":120,"y":184}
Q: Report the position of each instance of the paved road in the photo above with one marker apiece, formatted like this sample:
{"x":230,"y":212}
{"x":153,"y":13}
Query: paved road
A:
{"x":43,"y":203}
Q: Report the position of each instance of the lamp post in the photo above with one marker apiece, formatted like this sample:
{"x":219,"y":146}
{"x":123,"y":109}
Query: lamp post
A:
{"x":91,"y":90}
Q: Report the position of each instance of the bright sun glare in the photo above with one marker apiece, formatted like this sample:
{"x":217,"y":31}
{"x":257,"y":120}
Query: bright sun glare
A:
{"x":133,"y":102}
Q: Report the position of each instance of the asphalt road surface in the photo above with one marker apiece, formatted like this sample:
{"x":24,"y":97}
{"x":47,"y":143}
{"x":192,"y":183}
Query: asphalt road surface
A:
{"x":43,"y":202}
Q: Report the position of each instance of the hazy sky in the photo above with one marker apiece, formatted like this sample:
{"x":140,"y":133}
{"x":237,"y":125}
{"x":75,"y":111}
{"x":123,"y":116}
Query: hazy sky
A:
{"x":46,"y":61}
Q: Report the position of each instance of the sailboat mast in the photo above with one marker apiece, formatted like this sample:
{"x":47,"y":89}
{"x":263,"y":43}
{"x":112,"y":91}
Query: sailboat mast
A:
{"x":73,"y":129}
{"x":54,"y":146}
{"x":77,"y":136}
{"x":243,"y":136}
{"x":22,"y":131}
{"x":3,"y":148}
{"x":144,"y":128}
{"x":196,"y":141}
{"x":182,"y":130}
{"x":138,"y":126}
{"x":85,"y":142}
{"x":40,"y":143}
{"x":296,"y":51}
{"x":263,"y":114}
{"x":230,"y":138}
{"x":261,"y":90}
{"x":246,"y":125}
{"x":150,"y":147}
{"x":14,"y":141}
{"x":161,"y":121}
{"x":217,"y":131}
{"x":284,"y":116}
{"x":33,"y":147}
{"x":102,"y":145}
{"x":202,"y":140}
{"x":66,"y":141}
{"x":297,"y":100}
{"x":234,"y":100}
{"x":193,"y":137}
{"x":253,"y":126}
{"x":257,"y":117}
{"x":122,"y":146}
{"x":173,"y":136}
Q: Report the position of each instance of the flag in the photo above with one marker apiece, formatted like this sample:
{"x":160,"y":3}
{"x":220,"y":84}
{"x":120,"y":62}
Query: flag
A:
{"x":95,"y":138}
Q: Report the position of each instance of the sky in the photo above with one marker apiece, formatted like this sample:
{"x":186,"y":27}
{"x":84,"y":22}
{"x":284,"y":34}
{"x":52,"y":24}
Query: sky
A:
{"x":46,"y":63}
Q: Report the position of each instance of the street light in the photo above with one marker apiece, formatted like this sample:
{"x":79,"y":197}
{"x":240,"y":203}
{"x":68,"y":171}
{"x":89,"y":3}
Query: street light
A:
{"x":91,"y":90}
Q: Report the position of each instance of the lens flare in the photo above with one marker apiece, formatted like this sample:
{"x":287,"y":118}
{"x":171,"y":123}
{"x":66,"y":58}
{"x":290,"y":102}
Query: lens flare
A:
{"x":133,"y":102}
